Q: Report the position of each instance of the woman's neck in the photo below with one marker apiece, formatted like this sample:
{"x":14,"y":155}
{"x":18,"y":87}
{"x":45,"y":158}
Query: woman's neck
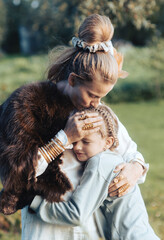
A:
{"x":62,"y":86}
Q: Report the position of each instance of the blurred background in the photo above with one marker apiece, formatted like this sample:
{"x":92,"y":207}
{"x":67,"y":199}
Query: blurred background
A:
{"x":29,"y":29}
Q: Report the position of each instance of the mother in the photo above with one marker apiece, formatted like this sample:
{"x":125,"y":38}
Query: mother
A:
{"x":90,"y":77}
{"x":79,"y":78}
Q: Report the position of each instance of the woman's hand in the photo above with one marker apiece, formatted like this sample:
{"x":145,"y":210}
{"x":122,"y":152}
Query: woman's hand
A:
{"x":82,"y":124}
{"x":126,"y":179}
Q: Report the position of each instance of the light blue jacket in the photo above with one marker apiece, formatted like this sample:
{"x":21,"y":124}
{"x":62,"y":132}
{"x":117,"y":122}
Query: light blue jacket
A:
{"x":123,"y":218}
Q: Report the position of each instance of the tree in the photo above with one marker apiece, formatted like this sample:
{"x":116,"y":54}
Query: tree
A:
{"x":54,"y":19}
{"x":159,"y":18}
{"x":132,"y":18}
{"x":52,"y":22}
{"x":48,"y":23}
{"x":2,"y":21}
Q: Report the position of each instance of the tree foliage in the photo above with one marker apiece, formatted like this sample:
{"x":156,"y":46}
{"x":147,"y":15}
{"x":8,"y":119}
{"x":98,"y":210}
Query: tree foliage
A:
{"x":2,"y":20}
{"x":54,"y":22}
{"x":137,"y":12}
{"x":129,"y":17}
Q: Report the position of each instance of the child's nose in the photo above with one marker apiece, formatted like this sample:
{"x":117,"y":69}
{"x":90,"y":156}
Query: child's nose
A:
{"x":77,"y":146}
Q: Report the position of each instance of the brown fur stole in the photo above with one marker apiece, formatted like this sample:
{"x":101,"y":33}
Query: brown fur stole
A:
{"x":29,"y":118}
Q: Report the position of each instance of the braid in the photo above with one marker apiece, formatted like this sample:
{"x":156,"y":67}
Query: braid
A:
{"x":111,"y":124}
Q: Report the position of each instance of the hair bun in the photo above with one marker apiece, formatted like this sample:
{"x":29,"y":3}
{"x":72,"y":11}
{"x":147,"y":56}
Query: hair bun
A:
{"x":96,"y":29}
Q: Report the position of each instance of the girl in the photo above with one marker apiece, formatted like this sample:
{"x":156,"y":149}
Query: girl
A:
{"x":123,"y":218}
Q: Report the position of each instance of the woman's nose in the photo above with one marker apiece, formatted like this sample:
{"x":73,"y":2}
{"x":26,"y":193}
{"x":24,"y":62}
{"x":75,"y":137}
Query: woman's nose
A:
{"x":95,"y":103}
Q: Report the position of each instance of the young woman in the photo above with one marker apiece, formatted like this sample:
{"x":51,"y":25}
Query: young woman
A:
{"x":124,"y":217}
{"x":84,"y":93}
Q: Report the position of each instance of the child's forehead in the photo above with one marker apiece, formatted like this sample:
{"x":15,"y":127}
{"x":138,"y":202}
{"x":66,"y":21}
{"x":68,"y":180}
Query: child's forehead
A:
{"x":92,"y":136}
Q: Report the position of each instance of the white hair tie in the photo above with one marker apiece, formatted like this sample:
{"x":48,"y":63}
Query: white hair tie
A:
{"x":102,"y":46}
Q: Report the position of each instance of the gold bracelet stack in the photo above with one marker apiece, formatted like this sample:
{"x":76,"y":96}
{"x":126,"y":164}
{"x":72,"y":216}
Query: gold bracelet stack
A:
{"x":51,"y":150}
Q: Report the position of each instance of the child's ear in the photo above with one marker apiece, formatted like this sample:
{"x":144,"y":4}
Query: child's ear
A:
{"x":109,"y":142}
{"x":71,"y":79}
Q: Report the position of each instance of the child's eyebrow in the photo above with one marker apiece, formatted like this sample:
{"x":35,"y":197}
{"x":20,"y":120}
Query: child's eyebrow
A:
{"x":86,"y":139}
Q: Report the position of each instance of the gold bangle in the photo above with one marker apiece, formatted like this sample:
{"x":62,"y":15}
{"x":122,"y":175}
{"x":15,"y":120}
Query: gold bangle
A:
{"x":44,"y":155}
{"x":51,"y":150}
{"x":56,"y":153}
{"x":59,"y":142}
{"x":55,"y":149}
{"x":48,"y":152}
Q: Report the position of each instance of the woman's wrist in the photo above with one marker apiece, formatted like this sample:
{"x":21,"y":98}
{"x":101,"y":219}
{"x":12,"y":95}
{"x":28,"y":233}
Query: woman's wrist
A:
{"x":139,"y":168}
{"x":69,"y":140}
{"x":55,"y":147}
{"x":61,"y":135}
{"x":144,"y":165}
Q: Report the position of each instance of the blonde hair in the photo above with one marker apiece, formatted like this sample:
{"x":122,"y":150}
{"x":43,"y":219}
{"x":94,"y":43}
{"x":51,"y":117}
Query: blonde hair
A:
{"x":84,"y":65}
{"x":110,"y":127}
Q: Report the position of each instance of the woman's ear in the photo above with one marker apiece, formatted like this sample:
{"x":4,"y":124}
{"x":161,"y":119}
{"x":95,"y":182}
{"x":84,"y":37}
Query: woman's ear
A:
{"x":71,"y":79}
{"x":109,"y":142}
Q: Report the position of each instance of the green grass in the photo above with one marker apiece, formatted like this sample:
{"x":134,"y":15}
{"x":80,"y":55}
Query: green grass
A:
{"x":18,"y":70}
{"x":143,"y":120}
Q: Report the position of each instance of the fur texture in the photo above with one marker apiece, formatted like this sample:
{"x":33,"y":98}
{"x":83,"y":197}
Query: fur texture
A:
{"x":29,"y":118}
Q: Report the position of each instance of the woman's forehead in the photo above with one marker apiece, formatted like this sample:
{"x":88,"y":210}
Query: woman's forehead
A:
{"x":98,"y":88}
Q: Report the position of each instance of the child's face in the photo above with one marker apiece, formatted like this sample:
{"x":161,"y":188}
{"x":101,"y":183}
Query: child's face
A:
{"x":89,"y":146}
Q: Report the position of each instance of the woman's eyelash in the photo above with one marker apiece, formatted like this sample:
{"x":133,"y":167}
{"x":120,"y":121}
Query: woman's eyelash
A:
{"x":92,"y":96}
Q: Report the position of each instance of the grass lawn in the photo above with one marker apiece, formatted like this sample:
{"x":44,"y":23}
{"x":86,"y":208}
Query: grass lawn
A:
{"x":144,"y":122}
{"x":18,"y":70}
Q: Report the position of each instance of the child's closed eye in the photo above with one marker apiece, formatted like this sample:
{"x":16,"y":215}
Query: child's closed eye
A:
{"x":86,"y":142}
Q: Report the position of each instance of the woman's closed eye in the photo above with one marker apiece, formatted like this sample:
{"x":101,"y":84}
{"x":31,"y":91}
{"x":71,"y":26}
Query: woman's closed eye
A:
{"x":93,"y":96}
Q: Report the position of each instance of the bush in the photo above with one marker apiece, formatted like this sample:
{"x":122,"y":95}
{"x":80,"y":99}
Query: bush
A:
{"x":146,"y":74}
{"x":2,"y":21}
{"x":132,"y":92}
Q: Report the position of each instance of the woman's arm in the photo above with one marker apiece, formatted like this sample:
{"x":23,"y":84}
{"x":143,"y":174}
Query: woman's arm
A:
{"x":134,"y":169}
{"x":127,"y":147}
{"x":47,"y":154}
{"x":88,"y":196}
{"x":73,"y":132}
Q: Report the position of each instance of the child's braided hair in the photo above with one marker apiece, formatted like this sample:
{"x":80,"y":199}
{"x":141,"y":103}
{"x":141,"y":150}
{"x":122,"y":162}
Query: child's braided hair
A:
{"x":111,"y":123}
